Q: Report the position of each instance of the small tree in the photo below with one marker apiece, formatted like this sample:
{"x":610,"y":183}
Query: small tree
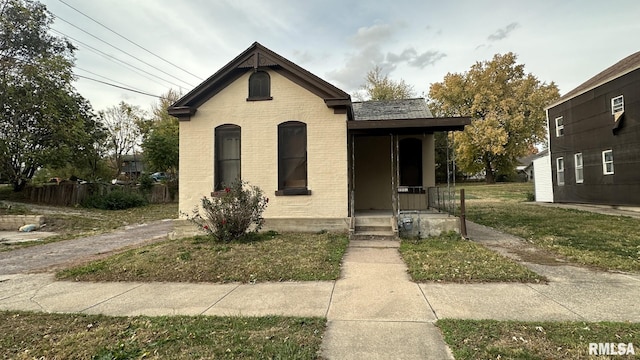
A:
{"x":380,"y":87}
{"x":229,"y":214}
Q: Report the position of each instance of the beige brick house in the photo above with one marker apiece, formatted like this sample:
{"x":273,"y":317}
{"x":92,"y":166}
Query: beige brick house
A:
{"x":320,"y":158}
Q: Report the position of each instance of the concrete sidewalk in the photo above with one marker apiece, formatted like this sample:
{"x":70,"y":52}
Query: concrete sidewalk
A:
{"x":373,"y":310}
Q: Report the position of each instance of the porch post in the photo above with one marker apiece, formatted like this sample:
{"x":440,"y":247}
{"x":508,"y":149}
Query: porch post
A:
{"x":394,"y":179}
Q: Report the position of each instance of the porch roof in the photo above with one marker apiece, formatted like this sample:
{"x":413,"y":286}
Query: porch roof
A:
{"x":400,"y":116}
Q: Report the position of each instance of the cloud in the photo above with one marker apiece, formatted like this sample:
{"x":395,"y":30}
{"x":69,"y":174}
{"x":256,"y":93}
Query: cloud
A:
{"x":352,"y":74}
{"x":372,"y":35}
{"x":504,"y":32}
{"x":411,"y":57}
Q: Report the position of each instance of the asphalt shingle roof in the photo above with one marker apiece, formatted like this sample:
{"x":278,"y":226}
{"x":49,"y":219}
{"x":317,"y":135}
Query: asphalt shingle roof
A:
{"x":391,"y":110}
{"x":626,"y":65}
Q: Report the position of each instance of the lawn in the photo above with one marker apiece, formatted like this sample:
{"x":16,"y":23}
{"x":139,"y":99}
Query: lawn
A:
{"x":272,"y":257}
{"x":447,"y":258}
{"x":602,"y":241}
{"x":490,"y":339}
{"x":73,"y":336}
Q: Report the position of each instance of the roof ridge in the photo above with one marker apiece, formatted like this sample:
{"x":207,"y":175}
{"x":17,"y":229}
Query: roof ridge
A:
{"x":624,"y":66}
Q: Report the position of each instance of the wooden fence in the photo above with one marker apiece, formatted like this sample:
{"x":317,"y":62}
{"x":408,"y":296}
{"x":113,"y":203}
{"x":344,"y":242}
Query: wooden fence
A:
{"x":70,"y":194}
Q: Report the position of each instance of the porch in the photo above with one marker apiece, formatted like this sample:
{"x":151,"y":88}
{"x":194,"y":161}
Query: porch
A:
{"x":392,"y":166}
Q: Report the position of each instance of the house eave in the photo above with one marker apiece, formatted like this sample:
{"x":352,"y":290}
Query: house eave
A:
{"x":428,"y":125}
{"x":183,"y":113}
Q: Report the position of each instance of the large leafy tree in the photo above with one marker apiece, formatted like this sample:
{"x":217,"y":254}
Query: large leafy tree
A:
{"x":507,"y":109}
{"x":379,"y":87}
{"x":161,"y":136}
{"x":42,"y":117}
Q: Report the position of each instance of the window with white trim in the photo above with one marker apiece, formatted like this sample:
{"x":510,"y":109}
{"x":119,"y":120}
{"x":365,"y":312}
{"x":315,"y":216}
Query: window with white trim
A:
{"x":579,"y":168}
{"x":559,"y":126}
{"x":607,"y":162}
{"x":617,"y":104}
{"x":560,"y":170}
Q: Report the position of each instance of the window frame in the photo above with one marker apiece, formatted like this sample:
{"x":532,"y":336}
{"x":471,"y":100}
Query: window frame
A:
{"x":283,"y":143}
{"x":579,"y":167}
{"x":605,"y":170}
{"x":560,"y":170}
{"x":559,"y":126}
{"x":619,"y":107}
{"x":220,"y":133}
{"x":264,"y":91}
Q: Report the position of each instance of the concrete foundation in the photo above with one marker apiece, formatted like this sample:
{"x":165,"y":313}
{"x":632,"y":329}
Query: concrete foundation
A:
{"x":14,"y":222}
{"x":184,"y":228}
{"x":423,"y":225}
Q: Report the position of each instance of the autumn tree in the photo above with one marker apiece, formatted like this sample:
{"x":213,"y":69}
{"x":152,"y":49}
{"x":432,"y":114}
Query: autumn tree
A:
{"x":43,"y":120}
{"x":507,"y":110}
{"x":379,"y":87}
{"x":123,"y":134}
{"x":160,"y":136}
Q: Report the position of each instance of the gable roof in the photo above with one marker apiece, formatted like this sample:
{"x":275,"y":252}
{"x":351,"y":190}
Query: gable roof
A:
{"x":253,"y":58}
{"x":622,"y":67}
{"x":406,"y":115}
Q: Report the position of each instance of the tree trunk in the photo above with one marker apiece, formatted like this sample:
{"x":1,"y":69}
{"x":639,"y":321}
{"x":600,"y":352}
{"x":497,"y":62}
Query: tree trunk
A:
{"x":489,"y":177}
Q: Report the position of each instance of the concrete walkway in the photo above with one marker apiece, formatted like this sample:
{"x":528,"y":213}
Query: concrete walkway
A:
{"x":376,"y":312}
{"x":373,"y":310}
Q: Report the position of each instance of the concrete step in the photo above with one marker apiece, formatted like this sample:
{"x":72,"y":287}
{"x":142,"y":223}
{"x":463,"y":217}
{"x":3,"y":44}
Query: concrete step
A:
{"x":373,"y":220}
{"x":374,"y":228}
{"x":371,"y":236}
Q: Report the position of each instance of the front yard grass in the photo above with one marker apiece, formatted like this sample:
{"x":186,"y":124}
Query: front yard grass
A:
{"x":491,"y":339}
{"x":25,"y":335}
{"x":448,"y":259}
{"x":272,"y":257}
{"x":603,"y":241}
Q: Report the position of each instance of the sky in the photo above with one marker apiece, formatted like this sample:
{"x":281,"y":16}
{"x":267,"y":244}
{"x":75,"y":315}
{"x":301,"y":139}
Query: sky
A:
{"x":418,"y":41}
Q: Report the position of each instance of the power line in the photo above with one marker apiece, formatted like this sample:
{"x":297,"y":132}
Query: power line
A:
{"x":130,"y":41}
{"x":135,"y":57}
{"x":106,"y":78}
{"x":125,"y":87}
{"x":118,"y":86}
{"x":115,"y":58}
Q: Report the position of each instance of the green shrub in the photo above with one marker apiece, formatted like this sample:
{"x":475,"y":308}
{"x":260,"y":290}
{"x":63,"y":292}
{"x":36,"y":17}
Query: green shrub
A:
{"x":115,"y":200}
{"x":229,"y":214}
{"x":531,"y":196}
{"x":146,"y":183}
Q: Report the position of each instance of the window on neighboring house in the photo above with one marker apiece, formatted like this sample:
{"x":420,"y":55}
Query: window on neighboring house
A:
{"x":227,"y":155}
{"x":607,"y":162}
{"x":410,"y":162}
{"x":259,"y":86}
{"x":617,"y":104}
{"x":559,"y":126}
{"x":292,"y":158}
{"x":560,"y":170}
{"x":579,"y":168}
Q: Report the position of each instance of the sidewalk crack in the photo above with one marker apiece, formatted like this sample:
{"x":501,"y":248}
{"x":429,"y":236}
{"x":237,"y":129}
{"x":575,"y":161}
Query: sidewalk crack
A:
{"x":222,"y":298}
{"x":555,"y":301}
{"x":111,"y":298}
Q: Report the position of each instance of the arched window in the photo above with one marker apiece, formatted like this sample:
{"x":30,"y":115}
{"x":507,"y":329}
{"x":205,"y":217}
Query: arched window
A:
{"x":410,"y":162}
{"x":227,"y":155}
{"x":259,"y":86}
{"x":292,"y":158}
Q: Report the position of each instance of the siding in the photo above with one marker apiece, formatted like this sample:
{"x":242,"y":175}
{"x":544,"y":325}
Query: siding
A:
{"x":543,"y":180}
{"x":588,"y":125}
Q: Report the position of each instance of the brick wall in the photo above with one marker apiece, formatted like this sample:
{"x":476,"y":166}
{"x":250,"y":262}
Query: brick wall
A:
{"x":326,"y":148}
